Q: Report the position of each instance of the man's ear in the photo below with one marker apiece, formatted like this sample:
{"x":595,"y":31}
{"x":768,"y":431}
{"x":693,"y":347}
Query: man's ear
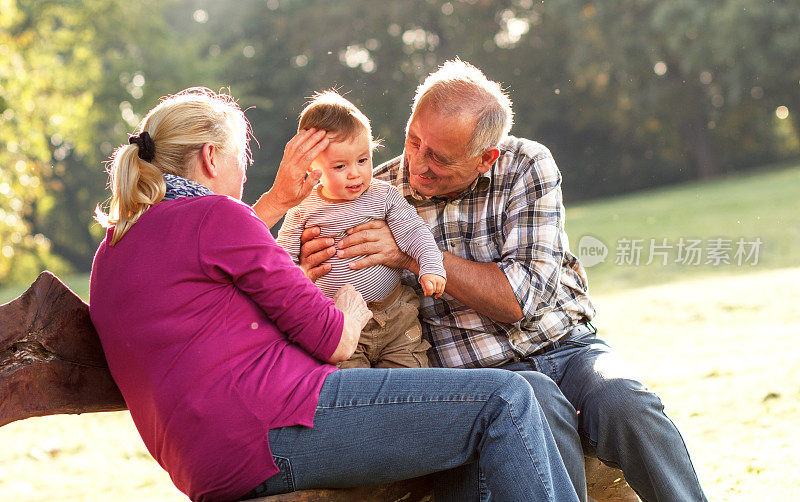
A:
{"x":208,"y":154}
{"x":488,"y":159}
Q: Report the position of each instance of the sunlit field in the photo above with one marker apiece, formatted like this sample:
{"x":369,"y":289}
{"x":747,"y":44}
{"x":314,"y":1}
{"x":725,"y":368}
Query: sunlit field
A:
{"x":720,"y":345}
{"x":719,"y":213}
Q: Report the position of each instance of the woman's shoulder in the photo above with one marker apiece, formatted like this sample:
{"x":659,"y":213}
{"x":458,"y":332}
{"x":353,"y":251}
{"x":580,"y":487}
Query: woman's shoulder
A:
{"x":202,"y":211}
{"x":208,"y":204}
{"x":227,"y":203}
{"x":222,"y":209}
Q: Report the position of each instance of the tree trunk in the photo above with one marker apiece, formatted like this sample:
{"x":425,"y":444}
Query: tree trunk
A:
{"x":702,"y":150}
{"x":51,"y":360}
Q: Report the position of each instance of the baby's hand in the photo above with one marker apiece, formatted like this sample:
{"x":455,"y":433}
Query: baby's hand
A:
{"x":432,"y":284}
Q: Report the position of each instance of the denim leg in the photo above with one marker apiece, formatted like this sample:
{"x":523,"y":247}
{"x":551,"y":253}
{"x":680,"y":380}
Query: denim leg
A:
{"x":464,"y":483}
{"x":562,"y":419}
{"x":374,"y":426}
{"x":621,"y":420}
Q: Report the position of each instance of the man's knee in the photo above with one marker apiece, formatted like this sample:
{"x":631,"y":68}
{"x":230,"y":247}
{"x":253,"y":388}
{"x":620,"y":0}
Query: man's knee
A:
{"x":543,"y":386}
{"x":550,"y":397}
{"x":625,"y":401}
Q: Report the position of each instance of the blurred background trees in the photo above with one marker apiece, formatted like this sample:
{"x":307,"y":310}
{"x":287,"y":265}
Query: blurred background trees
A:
{"x":628,"y":94}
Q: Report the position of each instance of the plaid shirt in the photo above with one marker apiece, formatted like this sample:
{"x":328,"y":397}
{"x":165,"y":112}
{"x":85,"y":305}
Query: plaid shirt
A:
{"x":513,"y":216}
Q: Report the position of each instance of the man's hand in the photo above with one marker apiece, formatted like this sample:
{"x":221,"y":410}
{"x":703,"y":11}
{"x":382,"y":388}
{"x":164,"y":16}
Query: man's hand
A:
{"x":432,"y":284}
{"x":375,"y":242}
{"x":313,"y":253}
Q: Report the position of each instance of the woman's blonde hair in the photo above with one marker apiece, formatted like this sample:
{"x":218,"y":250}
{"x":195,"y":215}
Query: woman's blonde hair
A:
{"x":179,"y":127}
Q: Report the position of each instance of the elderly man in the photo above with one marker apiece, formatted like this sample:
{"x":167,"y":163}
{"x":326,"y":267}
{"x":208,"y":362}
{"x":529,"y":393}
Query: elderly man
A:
{"x":516,"y":297}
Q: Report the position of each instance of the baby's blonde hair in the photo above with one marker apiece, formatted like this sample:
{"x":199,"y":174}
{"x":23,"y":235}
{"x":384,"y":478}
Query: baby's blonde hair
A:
{"x":179,"y":126}
{"x":330,"y":111}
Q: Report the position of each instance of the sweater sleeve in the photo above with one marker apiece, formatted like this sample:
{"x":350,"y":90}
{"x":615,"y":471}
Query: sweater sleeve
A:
{"x":236,"y":247}
{"x":290,"y":232}
{"x":412,"y":235}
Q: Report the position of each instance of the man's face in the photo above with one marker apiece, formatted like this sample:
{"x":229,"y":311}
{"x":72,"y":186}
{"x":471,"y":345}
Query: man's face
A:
{"x":435,"y":152}
{"x":346,"y":167}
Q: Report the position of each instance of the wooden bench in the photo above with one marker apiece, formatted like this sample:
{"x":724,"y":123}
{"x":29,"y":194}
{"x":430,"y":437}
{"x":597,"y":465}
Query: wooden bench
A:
{"x":51,"y":362}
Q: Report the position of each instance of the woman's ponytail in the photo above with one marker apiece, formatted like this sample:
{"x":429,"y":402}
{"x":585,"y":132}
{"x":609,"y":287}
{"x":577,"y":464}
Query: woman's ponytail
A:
{"x":170,"y":137}
{"x":135,"y":186}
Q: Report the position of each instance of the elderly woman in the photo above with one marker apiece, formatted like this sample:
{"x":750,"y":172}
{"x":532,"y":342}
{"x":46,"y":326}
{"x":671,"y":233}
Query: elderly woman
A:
{"x":225,"y":351}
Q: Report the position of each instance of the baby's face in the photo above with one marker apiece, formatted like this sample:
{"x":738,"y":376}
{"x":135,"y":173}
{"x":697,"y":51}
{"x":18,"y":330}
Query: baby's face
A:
{"x":346,"y":167}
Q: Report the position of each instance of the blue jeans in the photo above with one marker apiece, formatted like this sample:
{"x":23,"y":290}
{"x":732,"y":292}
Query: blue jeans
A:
{"x":619,"y":420}
{"x":378,"y":425}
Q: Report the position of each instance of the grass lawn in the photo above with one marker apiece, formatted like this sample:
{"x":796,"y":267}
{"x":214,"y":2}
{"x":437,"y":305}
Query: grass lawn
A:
{"x":756,"y":206}
{"x":719,"y":344}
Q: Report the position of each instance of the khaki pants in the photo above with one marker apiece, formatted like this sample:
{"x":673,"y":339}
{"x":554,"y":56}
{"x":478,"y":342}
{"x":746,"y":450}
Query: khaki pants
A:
{"x":393,"y":337}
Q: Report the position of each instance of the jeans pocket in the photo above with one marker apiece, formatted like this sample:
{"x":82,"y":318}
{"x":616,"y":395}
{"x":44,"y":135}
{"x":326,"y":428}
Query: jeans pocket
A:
{"x":281,"y":482}
{"x":572,"y":342}
{"x":583,"y":339}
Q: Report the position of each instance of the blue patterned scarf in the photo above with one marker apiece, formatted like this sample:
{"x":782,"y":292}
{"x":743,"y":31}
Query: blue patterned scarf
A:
{"x":181,"y":187}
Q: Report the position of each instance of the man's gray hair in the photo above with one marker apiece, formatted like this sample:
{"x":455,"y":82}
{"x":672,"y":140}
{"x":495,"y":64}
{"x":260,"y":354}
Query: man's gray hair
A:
{"x":458,"y":87}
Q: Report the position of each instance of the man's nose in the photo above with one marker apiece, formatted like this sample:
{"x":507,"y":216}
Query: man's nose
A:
{"x":416,"y":164}
{"x":413,"y":158}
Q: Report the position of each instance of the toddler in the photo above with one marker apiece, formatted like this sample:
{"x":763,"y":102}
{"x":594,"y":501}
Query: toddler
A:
{"x":347,"y":196}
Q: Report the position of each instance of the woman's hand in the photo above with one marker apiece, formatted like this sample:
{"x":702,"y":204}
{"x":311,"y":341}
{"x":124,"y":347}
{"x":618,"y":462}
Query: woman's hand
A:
{"x":356,"y":316}
{"x":294,"y":181}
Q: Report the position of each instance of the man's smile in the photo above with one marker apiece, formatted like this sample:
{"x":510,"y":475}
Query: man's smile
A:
{"x":425,"y":178}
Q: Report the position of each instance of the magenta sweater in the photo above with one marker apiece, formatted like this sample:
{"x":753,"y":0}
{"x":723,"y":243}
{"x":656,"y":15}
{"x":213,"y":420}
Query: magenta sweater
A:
{"x":214,"y":337}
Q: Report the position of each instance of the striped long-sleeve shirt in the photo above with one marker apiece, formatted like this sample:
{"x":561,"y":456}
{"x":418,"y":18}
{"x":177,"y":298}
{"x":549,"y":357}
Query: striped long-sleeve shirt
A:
{"x":381,"y":201}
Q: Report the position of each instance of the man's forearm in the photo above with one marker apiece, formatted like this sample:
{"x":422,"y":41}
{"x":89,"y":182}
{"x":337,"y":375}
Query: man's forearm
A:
{"x":483,"y":287}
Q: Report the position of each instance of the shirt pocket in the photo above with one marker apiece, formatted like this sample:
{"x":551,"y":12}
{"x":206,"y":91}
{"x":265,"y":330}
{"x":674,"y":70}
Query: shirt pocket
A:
{"x":482,"y":248}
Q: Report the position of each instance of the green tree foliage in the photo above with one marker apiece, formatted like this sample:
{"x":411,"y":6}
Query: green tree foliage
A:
{"x":682,"y":89}
{"x":143,"y":57}
{"x":75,"y":77}
{"x":43,"y":108}
{"x":278,"y":53}
{"x":626,"y":93}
